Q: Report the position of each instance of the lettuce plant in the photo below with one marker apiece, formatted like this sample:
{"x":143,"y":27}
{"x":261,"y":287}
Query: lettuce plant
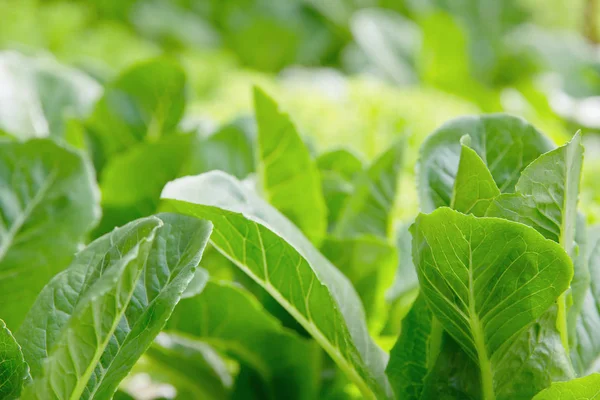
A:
{"x":243,"y":264}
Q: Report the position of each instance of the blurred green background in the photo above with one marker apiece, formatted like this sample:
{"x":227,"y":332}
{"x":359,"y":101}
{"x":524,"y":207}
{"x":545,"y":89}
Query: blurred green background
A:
{"x":350,"y":72}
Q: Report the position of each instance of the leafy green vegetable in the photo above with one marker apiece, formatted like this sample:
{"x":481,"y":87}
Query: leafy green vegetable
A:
{"x":338,"y":169}
{"x":48,"y":202}
{"x":486,"y":280}
{"x":506,"y":144}
{"x":474,"y":187}
{"x":369,"y":209}
{"x":289,"y":176}
{"x":142,"y":104}
{"x":13,"y":369}
{"x":228,"y":318}
{"x":273,"y":252}
{"x":587,"y":388}
{"x":92,"y":321}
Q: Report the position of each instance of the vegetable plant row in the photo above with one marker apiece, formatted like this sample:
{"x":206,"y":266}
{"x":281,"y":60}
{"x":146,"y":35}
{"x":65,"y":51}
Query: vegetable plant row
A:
{"x":243,"y":264}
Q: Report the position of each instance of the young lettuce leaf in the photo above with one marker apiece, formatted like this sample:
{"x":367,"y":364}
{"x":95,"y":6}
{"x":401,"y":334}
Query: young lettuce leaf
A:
{"x":369,"y":209}
{"x":587,"y":388}
{"x":289,"y":176}
{"x":474,"y":186}
{"x":230,"y":319}
{"x":13,"y":369}
{"x":506,"y":144}
{"x":142,"y":104}
{"x":273,"y":252}
{"x":486,"y":280}
{"x":95,"y":319}
{"x":48,"y":202}
{"x":338,"y":169}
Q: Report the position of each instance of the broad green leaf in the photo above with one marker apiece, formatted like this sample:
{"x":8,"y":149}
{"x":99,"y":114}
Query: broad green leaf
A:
{"x":581,"y":282}
{"x":506,"y":145}
{"x":546,"y":199}
{"x":48,"y":202}
{"x":289,"y":177}
{"x":131,"y":278}
{"x":13,"y":369}
{"x":142,"y":104}
{"x":547,"y":194}
{"x":474,"y":186}
{"x":586,"y":352}
{"x":539,"y":356}
{"x":274,"y":253}
{"x":338,"y":169}
{"x":38,"y":94}
{"x":415,"y":352}
{"x":369,"y":262}
{"x":194,"y":368}
{"x":231,"y":320}
{"x":369,"y":210}
{"x":486,"y":280}
{"x":587,"y":388}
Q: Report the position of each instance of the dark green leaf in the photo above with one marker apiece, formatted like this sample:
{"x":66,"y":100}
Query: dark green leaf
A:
{"x":228,"y":318}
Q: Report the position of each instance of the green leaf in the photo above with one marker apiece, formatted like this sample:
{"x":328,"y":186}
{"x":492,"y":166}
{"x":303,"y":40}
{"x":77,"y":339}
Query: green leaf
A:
{"x":586,"y":352}
{"x":273,"y":252}
{"x":369,"y":262}
{"x":546,"y":199}
{"x":289,"y":176}
{"x":506,"y":144}
{"x":415,"y":351}
{"x":587,"y":388}
{"x":547,"y":193}
{"x":370,"y":209}
{"x":230,"y":149}
{"x":194,"y":368}
{"x":142,"y":104}
{"x":338,"y":169}
{"x":474,"y":186}
{"x":38,"y":94}
{"x":48,"y":202}
{"x":91,"y":322}
{"x":230,"y":319}
{"x":13,"y":369}
{"x":486,"y":280}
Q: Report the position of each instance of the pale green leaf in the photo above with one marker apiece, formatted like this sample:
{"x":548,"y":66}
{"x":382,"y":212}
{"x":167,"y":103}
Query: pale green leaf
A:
{"x":474,"y":186}
{"x":273,"y":252}
{"x":38,"y":94}
{"x":289,"y":177}
{"x":13,"y":369}
{"x":486,"y":280}
{"x":587,"y":388}
{"x":48,"y":202}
